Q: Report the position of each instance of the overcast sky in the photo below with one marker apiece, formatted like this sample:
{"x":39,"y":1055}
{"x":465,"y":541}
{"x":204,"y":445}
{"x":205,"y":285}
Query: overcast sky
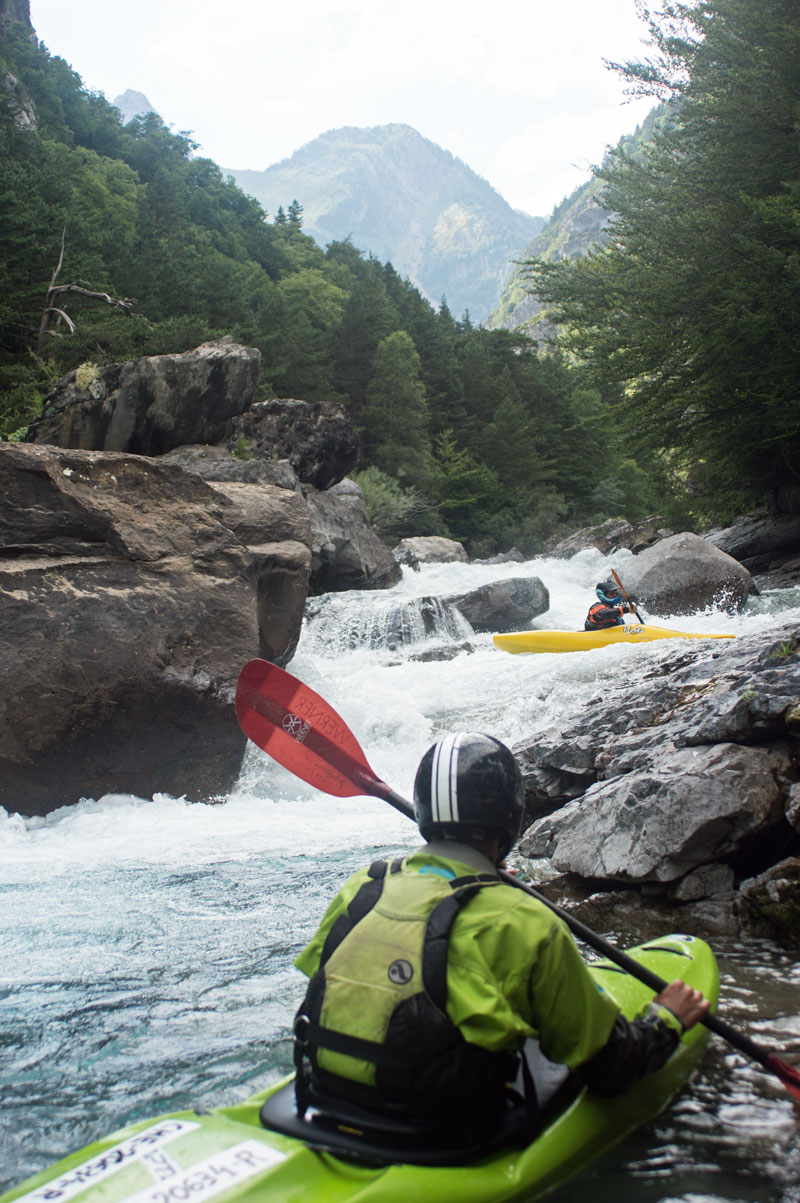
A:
{"x":516,"y":89}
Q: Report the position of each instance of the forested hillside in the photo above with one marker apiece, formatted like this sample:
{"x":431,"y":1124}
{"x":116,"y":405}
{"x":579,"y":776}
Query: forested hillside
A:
{"x":465,"y":431}
{"x":690,"y":313}
{"x":577,"y":225}
{"x":407,"y":201}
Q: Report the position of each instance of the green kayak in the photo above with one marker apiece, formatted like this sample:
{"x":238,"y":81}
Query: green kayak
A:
{"x":228,"y":1154}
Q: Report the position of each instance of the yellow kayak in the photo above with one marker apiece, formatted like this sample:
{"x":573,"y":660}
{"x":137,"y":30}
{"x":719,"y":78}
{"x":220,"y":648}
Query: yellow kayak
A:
{"x":584,"y":641}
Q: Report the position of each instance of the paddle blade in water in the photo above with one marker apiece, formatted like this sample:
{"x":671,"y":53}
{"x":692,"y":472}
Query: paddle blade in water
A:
{"x":788,"y":1074}
{"x":300,"y":730}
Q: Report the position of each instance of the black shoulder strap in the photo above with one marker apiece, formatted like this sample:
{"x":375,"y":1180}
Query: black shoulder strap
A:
{"x":360,"y":905}
{"x":437,"y":934}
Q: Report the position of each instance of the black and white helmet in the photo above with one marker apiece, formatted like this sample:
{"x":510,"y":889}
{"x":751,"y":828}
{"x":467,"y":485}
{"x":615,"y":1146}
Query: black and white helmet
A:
{"x":469,"y":786}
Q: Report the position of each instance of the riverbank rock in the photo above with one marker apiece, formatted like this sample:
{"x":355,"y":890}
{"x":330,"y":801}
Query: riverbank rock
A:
{"x":609,"y":536}
{"x":128,"y":604}
{"x":768,"y":545}
{"x":148,"y":406}
{"x":683,"y":574}
{"x":346,"y":552}
{"x":769,"y":904}
{"x":509,"y":605}
{"x":684,"y":783}
{"x":218,"y":463}
{"x":429,"y":549}
{"x":316,"y":437}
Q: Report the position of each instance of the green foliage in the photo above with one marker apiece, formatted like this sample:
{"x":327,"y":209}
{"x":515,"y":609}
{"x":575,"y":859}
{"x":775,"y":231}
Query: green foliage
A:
{"x":465,"y":431}
{"x":691,"y":311}
{"x":395,"y":512}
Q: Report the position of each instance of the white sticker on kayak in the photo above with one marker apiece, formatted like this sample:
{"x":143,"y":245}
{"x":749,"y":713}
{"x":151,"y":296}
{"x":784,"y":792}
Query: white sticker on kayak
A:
{"x":135,"y":1148}
{"x":212,"y":1176}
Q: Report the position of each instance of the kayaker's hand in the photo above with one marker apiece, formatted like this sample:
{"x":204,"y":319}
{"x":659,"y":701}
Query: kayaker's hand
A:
{"x":684,"y":1002}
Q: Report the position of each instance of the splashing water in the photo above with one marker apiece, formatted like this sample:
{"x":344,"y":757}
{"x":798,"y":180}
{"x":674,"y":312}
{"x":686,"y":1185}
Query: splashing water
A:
{"x":146,"y":945}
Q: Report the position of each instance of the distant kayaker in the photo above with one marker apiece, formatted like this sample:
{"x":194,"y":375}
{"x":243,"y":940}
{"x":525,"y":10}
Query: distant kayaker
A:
{"x":428,"y":973}
{"x":608,"y":611}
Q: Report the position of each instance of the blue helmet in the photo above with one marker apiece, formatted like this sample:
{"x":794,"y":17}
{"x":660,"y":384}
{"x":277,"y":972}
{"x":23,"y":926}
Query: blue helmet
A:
{"x":608,"y":592}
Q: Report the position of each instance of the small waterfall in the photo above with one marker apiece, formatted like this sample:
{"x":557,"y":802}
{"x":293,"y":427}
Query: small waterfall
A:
{"x":340,"y":623}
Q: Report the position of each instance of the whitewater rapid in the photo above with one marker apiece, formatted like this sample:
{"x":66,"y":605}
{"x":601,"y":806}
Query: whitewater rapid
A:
{"x":146,"y":944}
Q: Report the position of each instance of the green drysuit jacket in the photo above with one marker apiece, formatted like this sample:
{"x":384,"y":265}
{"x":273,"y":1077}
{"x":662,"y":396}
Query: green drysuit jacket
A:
{"x":513,"y":968}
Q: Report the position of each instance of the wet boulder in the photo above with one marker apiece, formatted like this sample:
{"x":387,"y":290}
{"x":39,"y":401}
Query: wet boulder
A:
{"x":679,"y":779}
{"x":685,"y":573}
{"x":769,"y":904}
{"x":509,"y":605}
{"x":148,"y":406}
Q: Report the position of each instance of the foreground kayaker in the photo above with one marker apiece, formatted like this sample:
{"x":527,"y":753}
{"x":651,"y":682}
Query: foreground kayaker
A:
{"x":427,"y":974}
{"x":610,"y":608}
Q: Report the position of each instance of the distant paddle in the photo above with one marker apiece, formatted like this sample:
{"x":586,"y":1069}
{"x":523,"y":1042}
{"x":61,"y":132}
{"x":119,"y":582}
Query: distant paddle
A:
{"x":299,"y":729}
{"x":624,"y":594}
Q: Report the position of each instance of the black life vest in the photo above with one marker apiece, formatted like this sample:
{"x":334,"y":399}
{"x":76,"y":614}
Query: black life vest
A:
{"x":420,"y":1060}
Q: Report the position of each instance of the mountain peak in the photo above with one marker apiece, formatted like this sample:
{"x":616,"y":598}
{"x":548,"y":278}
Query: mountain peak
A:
{"x":406,"y":200}
{"x":132,"y":104}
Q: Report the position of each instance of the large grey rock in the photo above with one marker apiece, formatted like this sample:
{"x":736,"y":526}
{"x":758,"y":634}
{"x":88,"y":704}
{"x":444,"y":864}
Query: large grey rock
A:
{"x":693,"y":765}
{"x":347,"y":553}
{"x":429,"y":549}
{"x":769,"y":904}
{"x":218,"y":463}
{"x":508,"y":605}
{"x":608,"y":537}
{"x":128,"y":604}
{"x":693,"y":807}
{"x":683,"y":574}
{"x":768,"y":545}
{"x":148,"y":406}
{"x":316,"y":437}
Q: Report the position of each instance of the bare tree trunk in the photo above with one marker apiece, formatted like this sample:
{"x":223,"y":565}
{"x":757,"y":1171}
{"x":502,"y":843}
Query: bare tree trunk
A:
{"x":54,"y":291}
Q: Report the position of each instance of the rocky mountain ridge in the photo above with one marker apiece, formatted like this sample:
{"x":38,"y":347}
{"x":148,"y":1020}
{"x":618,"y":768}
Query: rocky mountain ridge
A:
{"x":406,"y":200}
{"x":578,"y":224}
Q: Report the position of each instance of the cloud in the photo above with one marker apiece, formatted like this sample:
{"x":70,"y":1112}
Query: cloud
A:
{"x":518,"y":90}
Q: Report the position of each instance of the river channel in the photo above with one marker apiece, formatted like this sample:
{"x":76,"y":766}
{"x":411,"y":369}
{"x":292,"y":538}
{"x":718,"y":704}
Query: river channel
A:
{"x":146,"y":945}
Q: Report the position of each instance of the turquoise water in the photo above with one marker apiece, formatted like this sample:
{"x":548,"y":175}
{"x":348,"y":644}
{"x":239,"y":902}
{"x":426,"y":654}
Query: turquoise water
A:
{"x":146,"y":944}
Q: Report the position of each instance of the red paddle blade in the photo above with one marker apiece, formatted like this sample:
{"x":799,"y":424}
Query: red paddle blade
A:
{"x":300,"y":730}
{"x":788,"y":1074}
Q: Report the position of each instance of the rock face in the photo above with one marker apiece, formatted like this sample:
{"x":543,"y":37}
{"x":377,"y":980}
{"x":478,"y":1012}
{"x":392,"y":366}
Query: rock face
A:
{"x":316,"y":437}
{"x":767,"y":545}
{"x":683,"y":574}
{"x":429,"y":549}
{"x":685,"y":781}
{"x":347,"y":554}
{"x":610,"y":536}
{"x":504,"y":605}
{"x":131,"y":593}
{"x":218,"y":463}
{"x":151,"y":405}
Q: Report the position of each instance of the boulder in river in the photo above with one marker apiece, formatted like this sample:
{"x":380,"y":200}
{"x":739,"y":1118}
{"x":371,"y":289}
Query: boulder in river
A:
{"x":148,"y":406}
{"x":685,"y":573}
{"x":128,"y":604}
{"x":682,"y":780}
{"x":509,"y":605}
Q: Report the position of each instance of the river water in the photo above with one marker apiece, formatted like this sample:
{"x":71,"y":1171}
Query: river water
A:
{"x":146,"y":944}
